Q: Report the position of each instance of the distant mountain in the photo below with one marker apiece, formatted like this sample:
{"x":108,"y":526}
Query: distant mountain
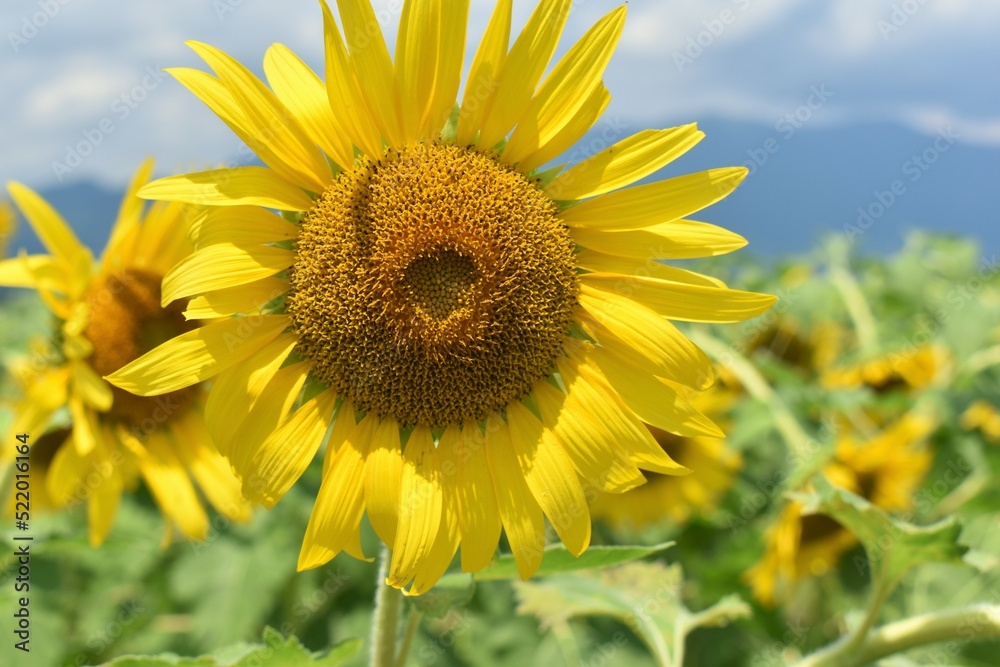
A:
{"x":814,"y":182}
{"x":805,"y":183}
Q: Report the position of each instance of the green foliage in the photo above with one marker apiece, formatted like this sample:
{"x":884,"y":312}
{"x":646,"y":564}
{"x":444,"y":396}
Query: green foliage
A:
{"x":558,"y":559}
{"x":613,"y":605}
{"x":646,"y":597}
{"x":893,"y":547}
{"x":275,"y":652}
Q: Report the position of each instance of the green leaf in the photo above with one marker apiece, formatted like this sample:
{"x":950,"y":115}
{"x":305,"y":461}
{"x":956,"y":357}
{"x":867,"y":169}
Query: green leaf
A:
{"x":557,"y":559}
{"x":893,"y":546}
{"x":231,"y":583}
{"x":644,"y":596}
{"x":275,"y":652}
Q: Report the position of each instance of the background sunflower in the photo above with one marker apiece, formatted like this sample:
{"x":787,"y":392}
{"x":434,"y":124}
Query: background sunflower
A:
{"x":92,"y":441}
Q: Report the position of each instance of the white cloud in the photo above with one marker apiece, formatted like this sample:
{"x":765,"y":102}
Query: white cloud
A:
{"x":756,"y":62}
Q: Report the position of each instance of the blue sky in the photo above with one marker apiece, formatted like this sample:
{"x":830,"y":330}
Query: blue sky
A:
{"x":75,"y":71}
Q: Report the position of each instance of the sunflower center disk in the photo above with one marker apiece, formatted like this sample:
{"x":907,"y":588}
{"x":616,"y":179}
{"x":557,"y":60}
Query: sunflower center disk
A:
{"x":125,"y":322}
{"x":434,"y":285}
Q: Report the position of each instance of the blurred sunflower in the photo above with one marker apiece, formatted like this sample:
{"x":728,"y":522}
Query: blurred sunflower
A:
{"x":984,"y":417}
{"x":809,"y":351}
{"x":107,"y":314}
{"x":885,"y":470}
{"x":480,"y":339}
{"x":676,"y":498}
{"x":911,"y":370}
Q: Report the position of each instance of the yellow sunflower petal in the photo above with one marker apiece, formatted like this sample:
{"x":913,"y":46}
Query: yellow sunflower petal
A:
{"x":304,"y":94}
{"x":609,"y":410}
{"x":449,"y":67}
{"x":335,"y":521}
{"x":596,"y":454}
{"x":237,"y":389}
{"x":129,"y":212}
{"x":342,"y":428}
{"x":383,"y":472}
{"x":51,"y":228}
{"x":287,"y":452}
{"x":197,"y":355}
{"x":623,"y":164}
{"x":344,"y":91}
{"x":476,"y":501}
{"x":484,"y":73}
{"x":572,"y":132}
{"x":567,"y":88}
{"x":551,"y":477}
{"x":638,"y":332}
{"x":242,"y":225}
{"x":416,"y":62}
{"x":652,"y":399}
{"x":102,"y":499}
{"x":431,"y":568}
{"x":678,"y":301}
{"x":221,"y":266}
{"x":523,"y":68}
{"x":648,"y":268}
{"x":420,"y":506}
{"x":371,"y":61}
{"x":269,"y":121}
{"x":158,"y":245}
{"x":43,"y":397}
{"x":648,"y":205}
{"x":240,"y":299}
{"x":169,"y":483}
{"x":521,"y":515}
{"x":212,"y":472}
{"x":217,"y":97}
{"x":24,"y":271}
{"x":429,"y":52}
{"x":94,"y":391}
{"x":64,"y":482}
{"x":265,"y":415}
{"x":233,"y":186}
{"x":86,"y":431}
{"x":680,"y":239}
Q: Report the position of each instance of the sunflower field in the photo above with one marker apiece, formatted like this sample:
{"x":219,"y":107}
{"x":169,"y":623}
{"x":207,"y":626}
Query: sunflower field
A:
{"x":405,"y":389}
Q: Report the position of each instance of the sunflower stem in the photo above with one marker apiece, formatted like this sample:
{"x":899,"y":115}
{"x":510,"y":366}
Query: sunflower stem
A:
{"x":388,"y":602}
{"x":412,"y":624}
{"x":803,"y":447}
{"x":976,"y":622}
{"x":857,"y":306}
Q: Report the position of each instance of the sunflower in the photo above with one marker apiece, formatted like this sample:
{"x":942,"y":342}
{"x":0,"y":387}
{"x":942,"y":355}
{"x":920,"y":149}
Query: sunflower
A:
{"x":984,"y":417}
{"x":910,"y":370}
{"x":107,"y":314}
{"x":477,"y":341}
{"x":885,"y":470}
{"x":808,"y":351}
{"x":673,"y":497}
